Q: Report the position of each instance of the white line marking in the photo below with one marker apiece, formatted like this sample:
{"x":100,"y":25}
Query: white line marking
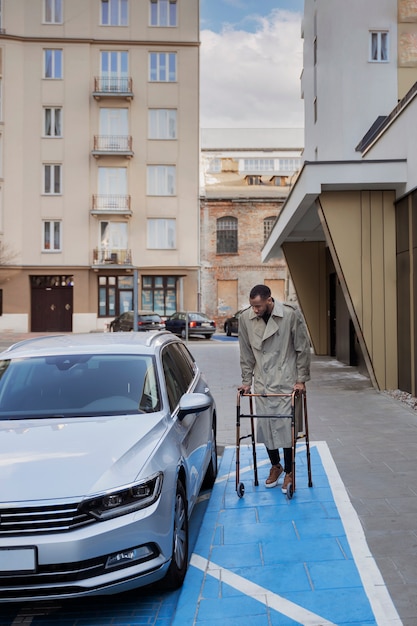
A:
{"x":266,"y":597}
{"x":384,"y":610}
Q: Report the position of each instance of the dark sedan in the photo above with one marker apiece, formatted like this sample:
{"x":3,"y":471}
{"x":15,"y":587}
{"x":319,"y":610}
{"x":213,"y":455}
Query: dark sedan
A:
{"x":198,"y":324}
{"x":147,"y":320}
{"x":231,"y":325}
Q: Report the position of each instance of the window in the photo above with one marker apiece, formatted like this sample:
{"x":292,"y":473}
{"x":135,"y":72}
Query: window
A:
{"x":162,"y":67}
{"x":159,"y":294}
{"x":378,"y":46}
{"x":52,"y":122}
{"x":114,"y":128}
{"x":162,"y":124}
{"x":115,"y":295}
{"x":178,"y":373}
{"x":52,"y":175}
{"x":161,"y":180}
{"x":226,"y":235}
{"x":114,"y":122}
{"x":215,"y":165}
{"x":53,"y":64}
{"x":163,"y":12}
{"x":113,"y":237}
{"x":112,"y":181}
{"x":114,"y":13}
{"x":161,"y":234}
{"x":289,"y":165}
{"x":268,"y":226}
{"x":51,"y":236}
{"x":114,"y":70}
{"x":258,"y":165}
{"x":254,"y":180}
{"x":53,"y":11}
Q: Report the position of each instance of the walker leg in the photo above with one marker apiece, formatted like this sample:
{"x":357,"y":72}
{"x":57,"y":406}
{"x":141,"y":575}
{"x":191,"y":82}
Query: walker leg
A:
{"x":237,"y":445}
{"x":255,"y":463}
{"x":310,"y":482}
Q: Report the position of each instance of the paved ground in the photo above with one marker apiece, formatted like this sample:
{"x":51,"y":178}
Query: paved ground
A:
{"x":341,"y":552}
{"x":372,"y":445}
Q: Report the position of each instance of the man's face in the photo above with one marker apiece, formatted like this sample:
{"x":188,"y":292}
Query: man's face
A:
{"x":260,"y":305}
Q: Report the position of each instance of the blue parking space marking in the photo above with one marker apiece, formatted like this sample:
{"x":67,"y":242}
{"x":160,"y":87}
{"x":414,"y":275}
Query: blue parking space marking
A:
{"x":274,"y":561}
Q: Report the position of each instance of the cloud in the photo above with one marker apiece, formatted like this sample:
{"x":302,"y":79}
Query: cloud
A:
{"x":252,"y":79}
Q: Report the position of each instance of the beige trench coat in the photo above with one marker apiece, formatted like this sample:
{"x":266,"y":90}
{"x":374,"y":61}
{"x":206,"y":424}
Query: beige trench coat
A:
{"x":273,"y":357}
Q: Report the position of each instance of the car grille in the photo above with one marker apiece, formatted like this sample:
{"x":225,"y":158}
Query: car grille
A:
{"x":21,"y":521}
{"x":63,"y":579}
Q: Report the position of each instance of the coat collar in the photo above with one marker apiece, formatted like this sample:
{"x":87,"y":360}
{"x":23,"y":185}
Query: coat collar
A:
{"x":273,"y":323}
{"x":277,"y":311}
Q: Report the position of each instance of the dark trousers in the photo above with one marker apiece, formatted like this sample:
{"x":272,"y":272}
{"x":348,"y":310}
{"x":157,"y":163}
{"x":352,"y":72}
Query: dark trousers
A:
{"x":275,"y":458}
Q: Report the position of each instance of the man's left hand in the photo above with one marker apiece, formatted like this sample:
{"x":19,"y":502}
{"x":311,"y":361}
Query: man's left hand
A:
{"x":299,"y":387}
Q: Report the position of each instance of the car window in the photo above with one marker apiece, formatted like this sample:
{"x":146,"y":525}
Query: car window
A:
{"x":178,"y":373}
{"x":78,"y":385}
{"x":150,"y":318}
{"x":189,"y":360}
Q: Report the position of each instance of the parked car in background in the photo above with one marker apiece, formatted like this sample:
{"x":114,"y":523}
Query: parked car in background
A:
{"x":147,"y":320}
{"x":198,"y":324}
{"x":231,"y":324}
{"x":106,"y":442}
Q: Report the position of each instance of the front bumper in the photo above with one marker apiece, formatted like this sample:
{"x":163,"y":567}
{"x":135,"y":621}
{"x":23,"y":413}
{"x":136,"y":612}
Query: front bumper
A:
{"x":99,"y":559}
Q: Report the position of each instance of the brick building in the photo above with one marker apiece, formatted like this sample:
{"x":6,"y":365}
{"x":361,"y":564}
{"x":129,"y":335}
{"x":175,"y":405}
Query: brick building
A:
{"x":246,"y":177}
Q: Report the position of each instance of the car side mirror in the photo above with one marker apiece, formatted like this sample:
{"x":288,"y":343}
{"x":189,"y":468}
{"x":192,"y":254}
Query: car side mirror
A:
{"x":193,"y":403}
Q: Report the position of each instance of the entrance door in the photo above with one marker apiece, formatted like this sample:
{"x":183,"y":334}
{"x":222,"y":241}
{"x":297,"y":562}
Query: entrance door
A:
{"x":51,"y":304}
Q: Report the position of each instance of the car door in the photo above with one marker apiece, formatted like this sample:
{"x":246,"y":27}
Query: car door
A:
{"x":194,"y":430}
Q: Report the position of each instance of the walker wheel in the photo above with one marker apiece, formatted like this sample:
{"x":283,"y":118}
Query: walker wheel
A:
{"x":290,"y":491}
{"x":240,"y":490}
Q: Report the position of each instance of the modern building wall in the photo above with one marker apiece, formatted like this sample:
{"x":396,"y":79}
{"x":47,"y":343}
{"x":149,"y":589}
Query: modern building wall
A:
{"x":102,"y":237}
{"x":354,"y":196}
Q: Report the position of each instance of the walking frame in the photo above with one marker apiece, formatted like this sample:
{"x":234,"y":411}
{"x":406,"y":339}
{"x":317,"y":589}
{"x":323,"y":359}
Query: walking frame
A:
{"x":298,"y":398}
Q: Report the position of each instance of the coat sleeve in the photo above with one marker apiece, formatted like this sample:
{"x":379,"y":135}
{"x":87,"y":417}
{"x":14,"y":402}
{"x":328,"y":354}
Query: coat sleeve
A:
{"x":302,"y":347}
{"x":247,"y":358}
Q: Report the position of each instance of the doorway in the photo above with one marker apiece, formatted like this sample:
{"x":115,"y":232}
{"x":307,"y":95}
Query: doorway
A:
{"x":51,"y":303}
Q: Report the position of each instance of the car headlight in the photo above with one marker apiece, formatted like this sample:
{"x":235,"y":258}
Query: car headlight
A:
{"x":123,"y":501}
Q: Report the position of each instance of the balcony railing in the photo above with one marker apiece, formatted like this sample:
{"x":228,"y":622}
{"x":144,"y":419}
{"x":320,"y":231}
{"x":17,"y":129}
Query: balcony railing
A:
{"x":112,"y":256}
{"x":112,"y":86}
{"x":112,"y":145}
{"x":111,"y":203}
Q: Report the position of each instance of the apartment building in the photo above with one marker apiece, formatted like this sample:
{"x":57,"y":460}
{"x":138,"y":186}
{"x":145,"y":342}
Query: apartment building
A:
{"x":99,"y":168}
{"x":348,"y":228}
{"x":246,"y":175}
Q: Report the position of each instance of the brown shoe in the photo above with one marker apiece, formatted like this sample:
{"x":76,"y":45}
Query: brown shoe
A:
{"x":274,"y":474}
{"x":287,"y":481}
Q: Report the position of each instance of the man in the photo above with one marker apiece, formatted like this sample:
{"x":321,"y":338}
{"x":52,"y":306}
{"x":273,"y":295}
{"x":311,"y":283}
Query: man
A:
{"x":275,"y":355}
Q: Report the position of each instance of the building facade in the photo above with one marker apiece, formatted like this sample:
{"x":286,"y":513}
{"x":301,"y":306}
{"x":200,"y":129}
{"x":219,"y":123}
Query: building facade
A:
{"x":99,"y":180}
{"x":246,"y":175}
{"x":348,"y":228}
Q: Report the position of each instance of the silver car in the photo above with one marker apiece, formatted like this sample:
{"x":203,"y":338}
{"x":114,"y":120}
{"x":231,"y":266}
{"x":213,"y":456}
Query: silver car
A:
{"x":105,"y":442}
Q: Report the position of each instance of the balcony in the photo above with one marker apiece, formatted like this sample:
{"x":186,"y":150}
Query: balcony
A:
{"x":112,"y":145}
{"x":112,"y":258}
{"x":111,"y":204}
{"x":112,"y":87}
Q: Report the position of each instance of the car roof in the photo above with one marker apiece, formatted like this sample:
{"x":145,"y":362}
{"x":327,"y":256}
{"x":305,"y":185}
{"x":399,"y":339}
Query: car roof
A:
{"x":191,"y":313}
{"x":87,"y":343}
{"x":140,"y":313}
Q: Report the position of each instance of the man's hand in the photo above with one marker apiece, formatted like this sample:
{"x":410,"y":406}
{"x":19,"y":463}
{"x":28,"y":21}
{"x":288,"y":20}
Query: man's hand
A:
{"x":300,"y":387}
{"x":244,"y":388}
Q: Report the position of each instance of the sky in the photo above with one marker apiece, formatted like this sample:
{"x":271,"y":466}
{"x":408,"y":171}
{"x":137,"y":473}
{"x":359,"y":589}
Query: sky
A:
{"x":250,"y":64}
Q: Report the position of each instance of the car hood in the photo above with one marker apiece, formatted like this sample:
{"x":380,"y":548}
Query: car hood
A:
{"x":74,"y":457}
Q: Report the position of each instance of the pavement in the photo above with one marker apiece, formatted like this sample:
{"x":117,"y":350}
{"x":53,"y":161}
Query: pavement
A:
{"x":340,"y":552}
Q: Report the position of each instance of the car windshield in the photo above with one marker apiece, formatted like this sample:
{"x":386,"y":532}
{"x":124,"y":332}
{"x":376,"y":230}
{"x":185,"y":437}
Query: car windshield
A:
{"x":78,"y":385}
{"x":199,"y":317}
